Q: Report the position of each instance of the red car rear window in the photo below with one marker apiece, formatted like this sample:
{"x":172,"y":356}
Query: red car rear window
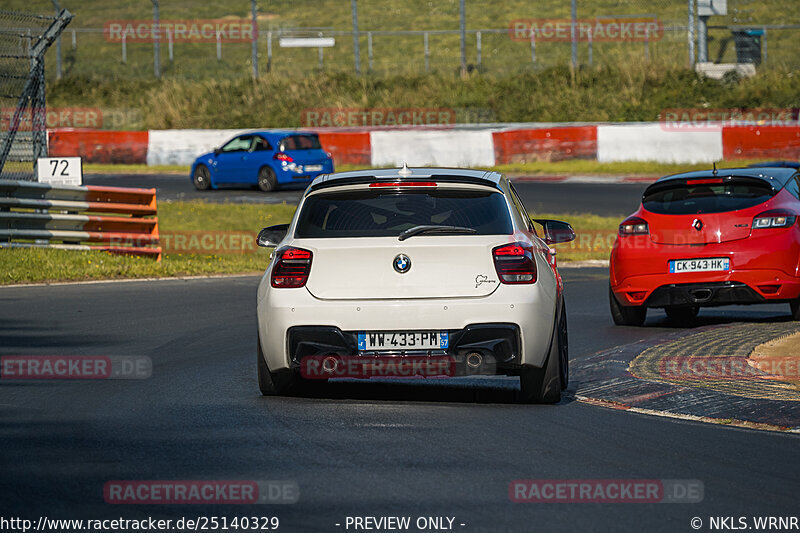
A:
{"x":691,"y":199}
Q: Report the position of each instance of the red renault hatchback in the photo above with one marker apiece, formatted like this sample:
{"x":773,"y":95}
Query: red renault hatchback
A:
{"x":709,"y":238}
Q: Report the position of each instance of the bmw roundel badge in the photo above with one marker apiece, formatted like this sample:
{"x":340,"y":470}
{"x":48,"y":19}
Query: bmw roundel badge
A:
{"x":402,"y":263}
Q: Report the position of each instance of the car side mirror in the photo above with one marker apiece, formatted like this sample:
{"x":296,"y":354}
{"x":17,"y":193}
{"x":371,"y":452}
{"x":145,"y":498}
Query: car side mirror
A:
{"x":556,"y":231}
{"x":270,"y":237}
{"x":217,"y":151}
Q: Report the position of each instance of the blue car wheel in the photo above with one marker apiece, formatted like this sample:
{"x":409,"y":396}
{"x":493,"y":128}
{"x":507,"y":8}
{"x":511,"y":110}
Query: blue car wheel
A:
{"x":266,"y":179}
{"x":201,"y":178}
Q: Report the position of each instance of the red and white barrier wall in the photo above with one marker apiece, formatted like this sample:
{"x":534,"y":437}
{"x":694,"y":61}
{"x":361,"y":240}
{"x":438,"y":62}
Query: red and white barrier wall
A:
{"x":489,"y":146}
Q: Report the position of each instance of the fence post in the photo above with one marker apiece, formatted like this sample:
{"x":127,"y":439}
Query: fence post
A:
{"x":647,"y":42}
{"x":478,"y":37}
{"x":219,"y":47}
{"x":39,"y":114}
{"x":58,"y":44}
{"x":764,"y":48}
{"x":321,"y":64}
{"x":533,"y":46}
{"x":157,"y":42}
{"x":573,"y":33}
{"x":170,"y":46}
{"x":356,"y":51}
{"x":427,"y":54}
{"x":269,"y":51}
{"x":690,"y":33}
{"x":254,"y":45}
{"x":463,"y":38}
{"x":369,"y":49}
{"x":702,"y":39}
{"x":74,"y":41}
{"x":589,"y":34}
{"x":124,"y":46}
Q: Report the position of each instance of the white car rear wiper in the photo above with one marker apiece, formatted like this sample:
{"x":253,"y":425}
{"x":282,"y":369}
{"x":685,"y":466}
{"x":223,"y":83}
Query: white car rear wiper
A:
{"x":419,"y":230}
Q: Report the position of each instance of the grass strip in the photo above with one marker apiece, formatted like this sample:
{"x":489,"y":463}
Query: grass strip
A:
{"x":533,"y":168}
{"x":225,"y":233}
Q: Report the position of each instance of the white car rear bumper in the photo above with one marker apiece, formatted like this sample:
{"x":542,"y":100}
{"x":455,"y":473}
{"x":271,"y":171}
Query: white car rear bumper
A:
{"x":531,"y":308}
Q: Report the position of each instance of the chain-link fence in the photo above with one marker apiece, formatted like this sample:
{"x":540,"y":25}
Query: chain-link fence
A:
{"x":112,"y":44}
{"x":24,"y":39}
{"x":213,"y":41}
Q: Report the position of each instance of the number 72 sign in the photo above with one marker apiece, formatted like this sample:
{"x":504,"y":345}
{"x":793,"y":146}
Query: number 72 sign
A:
{"x":59,"y":170}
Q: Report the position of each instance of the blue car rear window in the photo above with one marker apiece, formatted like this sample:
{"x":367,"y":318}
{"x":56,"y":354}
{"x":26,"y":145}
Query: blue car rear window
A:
{"x":301,"y":142}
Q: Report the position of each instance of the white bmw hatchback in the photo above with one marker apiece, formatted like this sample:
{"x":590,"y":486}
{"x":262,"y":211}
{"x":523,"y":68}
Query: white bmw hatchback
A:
{"x":425,"y":271}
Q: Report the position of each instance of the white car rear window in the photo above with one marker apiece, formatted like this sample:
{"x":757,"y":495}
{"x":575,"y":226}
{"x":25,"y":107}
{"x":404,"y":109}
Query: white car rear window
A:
{"x":372,"y":213}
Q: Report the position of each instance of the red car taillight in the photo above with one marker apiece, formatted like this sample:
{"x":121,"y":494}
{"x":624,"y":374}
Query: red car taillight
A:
{"x":634,"y":226}
{"x":777,"y":218}
{"x":514,"y":263}
{"x":280,"y":156}
{"x":292,"y":266}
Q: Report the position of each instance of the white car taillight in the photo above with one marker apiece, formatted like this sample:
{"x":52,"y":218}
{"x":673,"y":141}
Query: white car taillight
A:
{"x":292,"y":266}
{"x":514,"y":263}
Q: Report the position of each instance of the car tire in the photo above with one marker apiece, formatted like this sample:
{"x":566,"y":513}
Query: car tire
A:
{"x":266,"y":179}
{"x":544,"y":385}
{"x":201,"y":178}
{"x":682,"y":315}
{"x":274,"y":383}
{"x":624,"y":315}
{"x":794,"y":305}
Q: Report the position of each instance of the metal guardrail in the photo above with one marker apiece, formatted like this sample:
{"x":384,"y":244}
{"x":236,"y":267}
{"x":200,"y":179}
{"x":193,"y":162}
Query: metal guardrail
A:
{"x":38,"y":215}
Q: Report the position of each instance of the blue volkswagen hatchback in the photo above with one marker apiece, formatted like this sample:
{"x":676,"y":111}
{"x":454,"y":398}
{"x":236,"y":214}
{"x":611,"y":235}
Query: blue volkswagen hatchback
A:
{"x":268,"y":159}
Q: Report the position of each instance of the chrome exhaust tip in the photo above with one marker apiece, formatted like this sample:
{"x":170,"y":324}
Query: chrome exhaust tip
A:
{"x":474,"y":360}
{"x":329,"y":364}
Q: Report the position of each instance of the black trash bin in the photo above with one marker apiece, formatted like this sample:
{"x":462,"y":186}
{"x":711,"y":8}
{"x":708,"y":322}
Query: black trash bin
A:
{"x":748,"y":45}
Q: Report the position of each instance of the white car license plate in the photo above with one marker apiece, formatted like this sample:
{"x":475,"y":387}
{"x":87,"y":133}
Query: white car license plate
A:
{"x":313,"y":168}
{"x":711,"y":264}
{"x":403,"y":340}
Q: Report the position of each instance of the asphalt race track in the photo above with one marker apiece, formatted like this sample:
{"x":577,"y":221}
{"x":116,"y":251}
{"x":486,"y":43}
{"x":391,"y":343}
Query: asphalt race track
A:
{"x":418,"y":448}
{"x":616,"y":199}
